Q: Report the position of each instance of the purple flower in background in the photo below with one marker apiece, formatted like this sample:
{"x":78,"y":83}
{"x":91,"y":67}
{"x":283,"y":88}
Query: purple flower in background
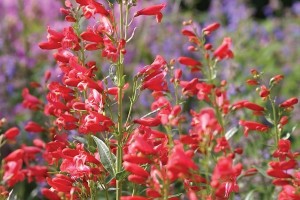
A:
{"x":22,"y":27}
{"x":296,"y":8}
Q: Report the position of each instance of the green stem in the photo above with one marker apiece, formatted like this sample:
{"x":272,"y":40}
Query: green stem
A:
{"x":275,"y":121}
{"x":213,"y":97}
{"x":120,"y":74}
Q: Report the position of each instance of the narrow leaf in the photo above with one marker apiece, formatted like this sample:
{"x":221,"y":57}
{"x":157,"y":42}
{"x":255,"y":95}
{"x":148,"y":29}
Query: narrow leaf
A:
{"x":175,"y":195}
{"x":231,"y":132}
{"x":107,"y":158}
{"x":250,"y":195}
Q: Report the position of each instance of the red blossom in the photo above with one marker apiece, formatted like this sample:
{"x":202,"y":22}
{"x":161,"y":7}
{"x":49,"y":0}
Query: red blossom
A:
{"x":152,"y":10}
{"x":30,"y":101}
{"x":148,"y":121}
{"x":194,"y":64}
{"x":11,"y":133}
{"x":34,"y":127}
{"x":289,"y":103}
{"x":251,"y":125}
{"x":135,"y":169}
{"x":264,"y":92}
{"x":51,"y":195}
{"x":13,"y":172}
{"x":210,"y":28}
{"x":224,"y":51}
{"x":225,"y":176}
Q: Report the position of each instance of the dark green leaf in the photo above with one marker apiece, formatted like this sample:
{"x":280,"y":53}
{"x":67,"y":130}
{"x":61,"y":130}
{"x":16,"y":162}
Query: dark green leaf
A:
{"x":107,"y":158}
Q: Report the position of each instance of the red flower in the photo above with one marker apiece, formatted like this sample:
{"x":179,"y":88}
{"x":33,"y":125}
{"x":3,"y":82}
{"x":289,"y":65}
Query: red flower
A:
{"x":289,"y":103}
{"x":254,"y":107}
{"x":210,"y":28}
{"x":13,"y":172}
{"x":15,"y":155}
{"x":189,"y":88}
{"x":194,"y":64}
{"x":188,"y":33}
{"x":11,"y":133}
{"x":283,"y":121}
{"x":95,"y":122}
{"x":61,"y":183}
{"x":152,"y":10}
{"x":289,"y":192}
{"x":224,"y":51}
{"x":222,"y":145}
{"x":33,"y":127}
{"x":50,"y":194}
{"x":224,"y":177}
{"x":180,"y":163}
{"x":251,"y":125}
{"x":37,"y":172}
{"x":148,"y":121}
{"x":30,"y":101}
{"x":283,"y":150}
{"x":91,"y":7}
{"x":135,"y":169}
{"x":252,"y":82}
{"x":276,"y":79}
{"x":264,"y":92}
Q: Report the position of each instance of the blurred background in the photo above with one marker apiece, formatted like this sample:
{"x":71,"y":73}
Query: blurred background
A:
{"x":265,"y":34}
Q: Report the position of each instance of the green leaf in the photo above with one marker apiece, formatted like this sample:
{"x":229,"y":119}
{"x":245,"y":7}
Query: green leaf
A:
{"x":121,"y":175}
{"x":250,"y":195}
{"x":175,"y":195}
{"x":294,"y":128}
{"x":231,"y":132}
{"x":80,"y":139}
{"x":268,"y":118}
{"x":107,"y":158}
{"x":262,"y":172}
{"x":12,"y":196}
{"x":287,"y":136}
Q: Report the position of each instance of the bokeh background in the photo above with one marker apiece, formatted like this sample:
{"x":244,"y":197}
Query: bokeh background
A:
{"x":265,"y":34}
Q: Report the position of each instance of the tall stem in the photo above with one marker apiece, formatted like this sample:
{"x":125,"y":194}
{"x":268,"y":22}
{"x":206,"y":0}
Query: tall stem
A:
{"x":120,"y":109}
{"x":275,"y":122}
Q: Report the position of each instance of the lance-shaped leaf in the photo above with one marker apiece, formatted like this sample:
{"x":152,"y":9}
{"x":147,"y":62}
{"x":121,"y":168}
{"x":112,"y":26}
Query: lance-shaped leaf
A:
{"x":107,"y":158}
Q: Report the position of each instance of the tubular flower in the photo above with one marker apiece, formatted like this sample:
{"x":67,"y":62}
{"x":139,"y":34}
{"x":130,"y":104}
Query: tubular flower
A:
{"x":210,"y":28}
{"x":224,"y":51}
{"x":289,"y":103}
{"x":152,"y":10}
{"x":29,"y":101}
{"x":283,"y":150}
{"x":11,"y":133}
{"x":148,"y":121}
{"x":251,"y":126}
{"x":289,"y":192}
{"x":264,"y":92}
{"x":225,"y":176}
{"x":179,"y":163}
{"x":50,"y":194}
{"x":91,"y":7}
{"x":193,"y":64}
{"x":33,"y":127}
{"x":13,"y":172}
{"x":257,"y":109}
{"x":135,"y":169}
